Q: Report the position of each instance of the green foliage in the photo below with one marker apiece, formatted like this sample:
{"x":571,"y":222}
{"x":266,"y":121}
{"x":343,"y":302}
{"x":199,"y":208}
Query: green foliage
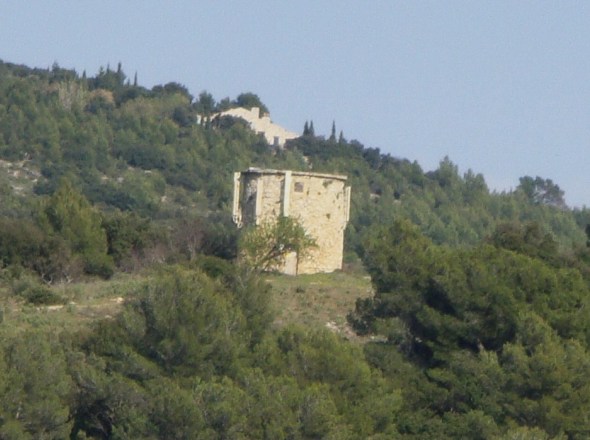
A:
{"x":36,"y":392}
{"x":205,"y":105}
{"x":188,"y":358}
{"x":527,"y":239}
{"x":501,"y":336}
{"x":70,"y":216}
{"x":26,"y":245}
{"x":543,"y":390}
{"x":399,"y":264}
{"x":265,"y":246}
{"x":20,"y":241}
{"x":34,"y":292}
{"x":542,"y":191}
{"x":176,"y":411}
{"x":351,"y":393}
{"x":93,"y":129}
{"x":249,"y":100}
{"x":187,"y":323}
{"x":127,"y":234}
{"x":479,"y":319}
{"x":448,"y":207}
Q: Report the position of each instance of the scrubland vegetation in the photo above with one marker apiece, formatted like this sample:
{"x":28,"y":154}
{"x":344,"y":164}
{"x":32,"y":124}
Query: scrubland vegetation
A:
{"x":460,"y":313}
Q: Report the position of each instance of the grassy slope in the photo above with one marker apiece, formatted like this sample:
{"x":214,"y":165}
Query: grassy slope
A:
{"x":310,"y":300}
{"x":318,"y":300}
{"x":85,"y":302}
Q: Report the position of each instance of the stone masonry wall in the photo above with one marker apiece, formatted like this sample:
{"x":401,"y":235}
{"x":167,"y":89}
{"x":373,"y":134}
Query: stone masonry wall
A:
{"x":321,"y":206}
{"x":320,"y":202}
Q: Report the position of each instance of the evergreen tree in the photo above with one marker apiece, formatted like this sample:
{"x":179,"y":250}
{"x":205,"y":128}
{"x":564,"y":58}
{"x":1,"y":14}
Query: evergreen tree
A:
{"x":333,"y":133}
{"x":70,"y":216}
{"x":249,"y":100}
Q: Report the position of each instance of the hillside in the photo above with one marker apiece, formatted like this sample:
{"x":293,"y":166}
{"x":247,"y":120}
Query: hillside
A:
{"x":135,"y":150}
{"x":460,"y":312}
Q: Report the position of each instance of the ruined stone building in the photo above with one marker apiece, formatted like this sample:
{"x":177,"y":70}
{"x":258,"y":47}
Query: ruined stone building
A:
{"x":319,"y":202}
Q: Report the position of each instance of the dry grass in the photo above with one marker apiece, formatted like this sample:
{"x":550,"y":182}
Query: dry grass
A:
{"x":85,"y":303}
{"x":318,"y":300}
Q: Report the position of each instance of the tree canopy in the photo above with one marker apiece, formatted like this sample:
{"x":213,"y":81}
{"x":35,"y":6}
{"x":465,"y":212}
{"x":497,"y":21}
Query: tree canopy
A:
{"x":477,"y":326}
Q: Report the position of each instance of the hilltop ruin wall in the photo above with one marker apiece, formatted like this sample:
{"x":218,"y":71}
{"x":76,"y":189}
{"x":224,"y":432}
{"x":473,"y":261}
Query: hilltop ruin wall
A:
{"x":319,"y":202}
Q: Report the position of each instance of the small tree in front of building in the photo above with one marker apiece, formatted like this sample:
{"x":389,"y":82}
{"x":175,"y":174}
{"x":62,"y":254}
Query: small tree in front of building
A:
{"x":265,"y":246}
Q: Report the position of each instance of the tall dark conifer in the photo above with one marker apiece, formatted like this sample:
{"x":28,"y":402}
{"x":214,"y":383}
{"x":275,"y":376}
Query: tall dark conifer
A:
{"x":333,"y":133}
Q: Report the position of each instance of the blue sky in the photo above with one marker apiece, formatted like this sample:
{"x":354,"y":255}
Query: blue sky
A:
{"x":501,"y":87}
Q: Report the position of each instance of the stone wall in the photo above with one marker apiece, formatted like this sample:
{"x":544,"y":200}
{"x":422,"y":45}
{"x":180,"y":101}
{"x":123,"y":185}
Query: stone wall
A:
{"x":273,"y":133}
{"x":320,"y":202}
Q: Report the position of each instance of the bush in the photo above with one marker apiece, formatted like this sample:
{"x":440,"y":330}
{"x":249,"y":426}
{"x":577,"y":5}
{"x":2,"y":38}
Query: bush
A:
{"x":35,"y":292}
{"x":100,"y":265}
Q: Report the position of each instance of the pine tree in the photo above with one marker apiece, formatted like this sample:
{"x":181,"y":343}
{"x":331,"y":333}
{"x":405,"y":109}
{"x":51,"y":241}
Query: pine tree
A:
{"x":333,"y":134}
{"x":71,"y":216}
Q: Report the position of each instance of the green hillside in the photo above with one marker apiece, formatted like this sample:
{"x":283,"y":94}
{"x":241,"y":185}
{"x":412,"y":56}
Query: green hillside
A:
{"x":460,"y":313}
